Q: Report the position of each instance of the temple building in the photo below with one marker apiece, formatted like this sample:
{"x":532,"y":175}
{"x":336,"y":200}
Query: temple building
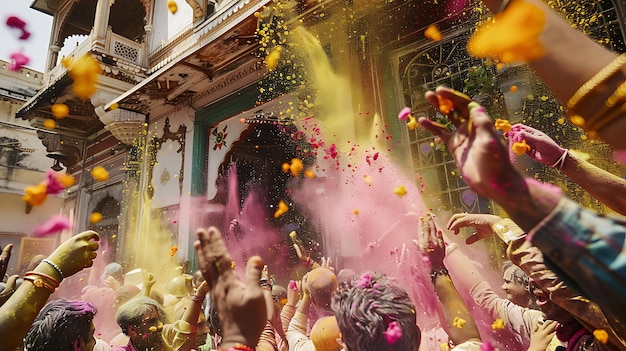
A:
{"x":183,"y":95}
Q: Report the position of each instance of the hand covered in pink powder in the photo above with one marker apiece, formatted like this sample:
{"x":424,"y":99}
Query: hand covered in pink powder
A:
{"x":542,"y":148}
{"x":430,"y":240}
{"x":481,"y":222}
{"x":476,"y":146}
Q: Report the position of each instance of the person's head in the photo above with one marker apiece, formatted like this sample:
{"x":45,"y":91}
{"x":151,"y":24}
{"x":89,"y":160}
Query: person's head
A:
{"x":325,"y":333}
{"x":516,"y":285}
{"x":115,"y":271}
{"x":322,"y":283}
{"x":142,"y":319}
{"x":345,"y":274}
{"x":125,"y":293}
{"x":197,"y":278}
{"x":62,"y":325}
{"x":375,"y":314}
{"x":279,"y":295}
{"x":550,"y":309}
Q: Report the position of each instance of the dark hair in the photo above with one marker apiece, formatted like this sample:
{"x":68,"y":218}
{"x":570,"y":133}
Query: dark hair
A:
{"x":375,"y":314}
{"x":59,"y":324}
{"x":132,"y":312}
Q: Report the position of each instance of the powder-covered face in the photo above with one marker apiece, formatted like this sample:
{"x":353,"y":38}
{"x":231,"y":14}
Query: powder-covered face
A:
{"x":514,"y":287}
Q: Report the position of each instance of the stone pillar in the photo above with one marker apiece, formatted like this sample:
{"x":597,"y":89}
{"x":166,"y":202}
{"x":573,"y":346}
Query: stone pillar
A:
{"x":101,"y":23}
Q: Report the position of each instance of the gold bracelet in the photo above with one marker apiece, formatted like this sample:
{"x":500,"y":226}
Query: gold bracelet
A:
{"x":592,"y":84}
{"x":40,"y":283}
{"x":50,"y":279}
{"x":615,"y":100}
{"x":507,"y":230}
{"x":609,"y":117}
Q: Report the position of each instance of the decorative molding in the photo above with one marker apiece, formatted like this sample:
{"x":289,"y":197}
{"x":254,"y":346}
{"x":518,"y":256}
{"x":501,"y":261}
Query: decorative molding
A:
{"x":155,"y":146}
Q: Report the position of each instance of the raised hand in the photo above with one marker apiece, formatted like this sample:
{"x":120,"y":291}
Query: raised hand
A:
{"x":430,"y":240}
{"x":542,"y":148}
{"x":4,"y":259}
{"x":77,"y":253}
{"x":240,"y":306}
{"x":9,"y":289}
{"x":482,"y":159}
{"x":293,"y":292}
{"x":481,"y":222}
{"x":541,"y":338}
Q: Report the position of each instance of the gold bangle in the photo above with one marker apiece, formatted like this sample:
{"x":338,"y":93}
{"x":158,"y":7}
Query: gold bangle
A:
{"x":592,"y":84}
{"x":40,"y":283}
{"x":614,"y":101}
{"x":608,"y":118}
{"x":600,"y":77}
{"x":507,"y":230}
{"x":50,"y":279}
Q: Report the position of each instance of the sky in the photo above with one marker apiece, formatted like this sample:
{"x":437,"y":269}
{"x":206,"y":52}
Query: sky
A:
{"x":38,"y":23}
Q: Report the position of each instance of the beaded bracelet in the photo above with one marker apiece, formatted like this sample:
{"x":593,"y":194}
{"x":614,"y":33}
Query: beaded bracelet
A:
{"x":54,"y":266}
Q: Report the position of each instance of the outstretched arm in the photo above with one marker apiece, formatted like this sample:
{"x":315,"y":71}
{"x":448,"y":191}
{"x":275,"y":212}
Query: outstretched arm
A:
{"x":20,"y":310}
{"x":456,"y":318}
{"x":564,"y":72}
{"x":584,"y":246}
{"x":604,"y":186}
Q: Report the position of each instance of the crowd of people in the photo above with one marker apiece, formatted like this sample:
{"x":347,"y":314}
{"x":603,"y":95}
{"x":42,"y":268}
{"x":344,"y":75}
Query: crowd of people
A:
{"x":565,"y":283}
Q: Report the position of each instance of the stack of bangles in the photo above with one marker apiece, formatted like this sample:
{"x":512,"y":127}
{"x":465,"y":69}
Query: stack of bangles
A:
{"x":241,"y":347}
{"x":41,"y":280}
{"x":614,"y":107}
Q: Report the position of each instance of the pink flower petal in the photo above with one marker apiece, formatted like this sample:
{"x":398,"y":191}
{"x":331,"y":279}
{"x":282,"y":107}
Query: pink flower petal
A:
{"x":18,"y":60}
{"x":403,"y":115}
{"x":393,"y":333}
{"x":18,"y":23}
{"x":54,"y":224}
{"x":54,"y":186}
{"x":365,"y":280}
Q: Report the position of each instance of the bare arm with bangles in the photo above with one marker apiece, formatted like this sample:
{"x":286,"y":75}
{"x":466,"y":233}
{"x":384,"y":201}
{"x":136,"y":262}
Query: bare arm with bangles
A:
{"x":566,"y":74}
{"x":192,"y":312}
{"x":19,"y":312}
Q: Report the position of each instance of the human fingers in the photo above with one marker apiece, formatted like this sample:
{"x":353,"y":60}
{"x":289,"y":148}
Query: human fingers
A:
{"x":4,"y":259}
{"x":473,"y":238}
{"x":87,"y":235}
{"x":437,"y":129}
{"x":254,"y":272}
{"x":207,"y":266}
{"x":458,"y":221}
{"x":203,"y":263}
